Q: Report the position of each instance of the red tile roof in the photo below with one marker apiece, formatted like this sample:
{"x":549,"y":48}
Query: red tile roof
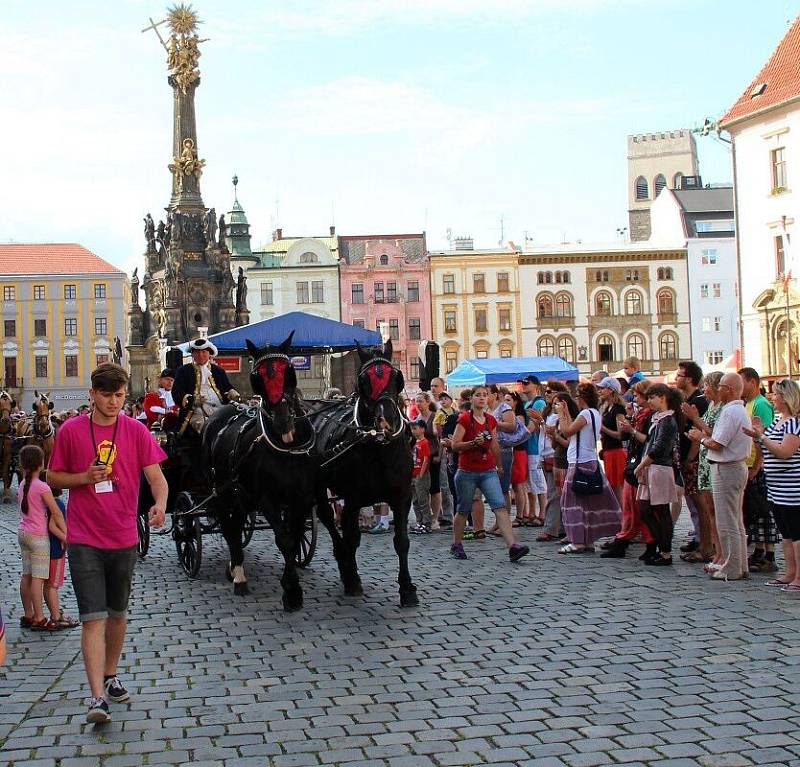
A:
{"x":780,"y":75}
{"x":51,"y":258}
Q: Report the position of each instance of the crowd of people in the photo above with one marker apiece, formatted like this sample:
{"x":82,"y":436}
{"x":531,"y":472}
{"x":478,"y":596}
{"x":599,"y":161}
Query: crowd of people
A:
{"x":598,"y":464}
{"x":606,"y":463}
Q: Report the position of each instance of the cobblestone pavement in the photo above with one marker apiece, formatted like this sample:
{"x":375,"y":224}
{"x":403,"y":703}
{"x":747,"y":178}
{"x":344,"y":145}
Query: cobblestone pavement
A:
{"x":560,"y":660}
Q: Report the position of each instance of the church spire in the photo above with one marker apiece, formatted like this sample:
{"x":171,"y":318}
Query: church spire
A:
{"x":237,"y":229}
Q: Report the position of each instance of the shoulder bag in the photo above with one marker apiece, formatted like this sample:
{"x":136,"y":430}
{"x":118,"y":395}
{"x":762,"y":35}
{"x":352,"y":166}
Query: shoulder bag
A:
{"x":586,"y":482}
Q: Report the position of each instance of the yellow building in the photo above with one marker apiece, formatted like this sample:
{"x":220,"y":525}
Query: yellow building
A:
{"x":475,"y":304}
{"x":62,"y":308}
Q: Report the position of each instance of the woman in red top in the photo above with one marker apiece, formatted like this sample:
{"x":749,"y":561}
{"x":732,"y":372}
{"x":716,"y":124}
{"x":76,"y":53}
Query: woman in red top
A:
{"x":475,"y":441}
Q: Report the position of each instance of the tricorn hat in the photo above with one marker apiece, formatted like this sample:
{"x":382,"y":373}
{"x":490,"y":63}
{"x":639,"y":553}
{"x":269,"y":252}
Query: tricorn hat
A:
{"x":202,"y":343}
{"x":166,"y":373}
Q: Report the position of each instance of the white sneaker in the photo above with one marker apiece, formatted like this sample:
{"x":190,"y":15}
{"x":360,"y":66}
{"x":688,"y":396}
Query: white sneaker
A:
{"x":435,"y":526}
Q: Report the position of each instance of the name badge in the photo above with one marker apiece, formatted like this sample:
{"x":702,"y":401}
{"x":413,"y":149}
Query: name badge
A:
{"x":106,"y":486}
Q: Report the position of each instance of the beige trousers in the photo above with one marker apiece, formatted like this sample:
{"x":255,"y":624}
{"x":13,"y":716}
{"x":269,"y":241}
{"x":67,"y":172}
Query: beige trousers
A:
{"x":728,"y":481}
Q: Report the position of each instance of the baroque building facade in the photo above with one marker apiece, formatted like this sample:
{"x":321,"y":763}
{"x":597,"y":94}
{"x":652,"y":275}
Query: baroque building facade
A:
{"x":475,"y":300}
{"x":385,"y":286}
{"x":764,"y":125}
{"x":596,"y":305}
{"x":63,"y":312}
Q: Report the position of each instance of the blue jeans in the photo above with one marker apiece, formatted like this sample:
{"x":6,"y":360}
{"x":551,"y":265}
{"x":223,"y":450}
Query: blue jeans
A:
{"x":486,"y":481}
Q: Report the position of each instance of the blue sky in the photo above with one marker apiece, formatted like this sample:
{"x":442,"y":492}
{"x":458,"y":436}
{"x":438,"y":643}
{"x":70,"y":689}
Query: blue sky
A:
{"x":377,"y":115}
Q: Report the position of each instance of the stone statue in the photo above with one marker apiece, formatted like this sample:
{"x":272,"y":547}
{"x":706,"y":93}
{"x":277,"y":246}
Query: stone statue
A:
{"x":135,"y":287}
{"x":167,"y":230}
{"x":149,"y":233}
{"x":222,"y":245}
{"x":227,"y":284}
{"x":210,"y":226}
{"x":241,"y":291}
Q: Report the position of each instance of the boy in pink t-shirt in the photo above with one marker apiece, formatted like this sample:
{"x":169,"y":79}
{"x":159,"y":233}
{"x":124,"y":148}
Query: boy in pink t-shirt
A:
{"x":100,"y":457}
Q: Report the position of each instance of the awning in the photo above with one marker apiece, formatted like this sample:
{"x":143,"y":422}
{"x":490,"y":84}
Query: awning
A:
{"x":509,"y":369}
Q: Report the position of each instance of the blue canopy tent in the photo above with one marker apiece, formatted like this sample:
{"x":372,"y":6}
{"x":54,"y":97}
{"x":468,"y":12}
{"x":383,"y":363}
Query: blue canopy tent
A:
{"x":509,"y":369}
{"x":312,"y":335}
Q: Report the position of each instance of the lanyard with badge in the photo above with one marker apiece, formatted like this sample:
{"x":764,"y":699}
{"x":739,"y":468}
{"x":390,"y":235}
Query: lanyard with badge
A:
{"x":106,"y":486}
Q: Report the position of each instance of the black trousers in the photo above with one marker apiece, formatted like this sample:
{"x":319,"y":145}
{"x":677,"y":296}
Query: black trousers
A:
{"x":659,"y":521}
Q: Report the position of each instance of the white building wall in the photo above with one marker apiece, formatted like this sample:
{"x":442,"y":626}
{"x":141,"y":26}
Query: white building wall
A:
{"x":760,"y":212}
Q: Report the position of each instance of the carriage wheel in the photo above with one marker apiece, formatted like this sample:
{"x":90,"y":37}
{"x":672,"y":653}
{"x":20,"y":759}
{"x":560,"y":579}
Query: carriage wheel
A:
{"x":249,"y":527}
{"x":143,"y":528}
{"x":188,"y":535}
{"x":308,"y":541}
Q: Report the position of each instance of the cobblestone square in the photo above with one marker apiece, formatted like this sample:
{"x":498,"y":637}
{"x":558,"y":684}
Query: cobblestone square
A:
{"x":559,"y":660}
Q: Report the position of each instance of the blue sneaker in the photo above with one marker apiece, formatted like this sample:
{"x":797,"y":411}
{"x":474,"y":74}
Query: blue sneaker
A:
{"x":378,"y":529}
{"x":457,"y":551}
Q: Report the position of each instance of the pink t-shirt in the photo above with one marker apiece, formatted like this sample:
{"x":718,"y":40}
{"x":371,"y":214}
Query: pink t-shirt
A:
{"x":105,"y":520}
{"x":35,"y":521}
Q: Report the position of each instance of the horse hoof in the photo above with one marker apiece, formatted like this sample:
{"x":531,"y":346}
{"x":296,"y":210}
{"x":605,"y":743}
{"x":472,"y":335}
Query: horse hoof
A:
{"x":292,"y":604}
{"x":354,"y":590}
{"x":228,"y":573}
{"x":409,"y":599}
{"x":240,"y":589}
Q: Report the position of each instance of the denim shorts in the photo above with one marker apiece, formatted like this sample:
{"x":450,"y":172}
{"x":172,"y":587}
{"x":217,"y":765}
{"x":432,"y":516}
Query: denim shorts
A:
{"x":102,"y":580}
{"x":467,"y":482}
{"x":506,"y":459}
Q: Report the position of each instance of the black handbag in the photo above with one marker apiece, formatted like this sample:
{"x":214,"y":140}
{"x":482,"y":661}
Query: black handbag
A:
{"x":587,"y":482}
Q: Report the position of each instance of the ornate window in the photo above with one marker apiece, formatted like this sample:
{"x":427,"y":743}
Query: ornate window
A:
{"x":540,"y":278}
{"x":603,"y":304}
{"x":450,"y":358}
{"x":504,"y":319}
{"x":563,"y":305}
{"x":448,"y":283}
{"x":546,"y":347}
{"x":450,"y":321}
{"x":505,"y":350}
{"x":605,"y":348}
{"x":641,"y":188}
{"x":635,"y":346}
{"x":309,"y":258}
{"x":668,"y":346}
{"x":545,"y":305}
{"x":633,"y":302}
{"x":666,"y":301}
{"x":566,"y":348}
{"x":384,"y":260}
{"x":658,"y":184}
{"x":548,"y":278}
{"x":479,"y":282}
{"x":565,"y":278}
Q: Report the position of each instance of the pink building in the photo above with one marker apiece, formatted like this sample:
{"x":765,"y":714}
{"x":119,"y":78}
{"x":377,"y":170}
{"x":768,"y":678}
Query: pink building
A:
{"x":385,"y":285}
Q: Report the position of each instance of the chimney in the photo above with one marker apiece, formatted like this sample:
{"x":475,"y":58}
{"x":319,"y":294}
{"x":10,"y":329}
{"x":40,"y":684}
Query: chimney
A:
{"x":277,"y":235}
{"x":333,"y":231}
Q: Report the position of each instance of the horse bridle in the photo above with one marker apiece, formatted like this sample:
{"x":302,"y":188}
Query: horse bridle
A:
{"x":383,"y":398}
{"x":290,"y":401}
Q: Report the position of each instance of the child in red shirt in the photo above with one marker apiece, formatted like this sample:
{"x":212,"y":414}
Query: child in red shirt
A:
{"x":421,"y":479}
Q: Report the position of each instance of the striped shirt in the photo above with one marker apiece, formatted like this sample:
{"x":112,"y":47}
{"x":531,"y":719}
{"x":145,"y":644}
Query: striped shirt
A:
{"x":783,"y":475}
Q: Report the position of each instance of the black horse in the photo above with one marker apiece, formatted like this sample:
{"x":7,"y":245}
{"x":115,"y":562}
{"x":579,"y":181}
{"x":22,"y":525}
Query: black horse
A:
{"x":259,"y":457}
{"x":364,"y":449}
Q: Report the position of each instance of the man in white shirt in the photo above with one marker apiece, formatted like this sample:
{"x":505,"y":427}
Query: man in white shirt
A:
{"x":728,"y":449}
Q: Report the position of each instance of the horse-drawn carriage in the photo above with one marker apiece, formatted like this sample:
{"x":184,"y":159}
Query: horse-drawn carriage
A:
{"x":277,"y":466}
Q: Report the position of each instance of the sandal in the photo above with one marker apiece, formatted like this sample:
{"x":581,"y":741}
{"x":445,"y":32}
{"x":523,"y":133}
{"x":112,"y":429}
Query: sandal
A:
{"x":790,"y":587}
{"x":536,"y":522}
{"x":45,"y":624}
{"x":546,"y":537}
{"x":518,"y":523}
{"x":65,"y":621}
{"x":776,"y":582}
{"x":693,"y":557}
{"x":479,"y":535}
{"x":496,"y":532}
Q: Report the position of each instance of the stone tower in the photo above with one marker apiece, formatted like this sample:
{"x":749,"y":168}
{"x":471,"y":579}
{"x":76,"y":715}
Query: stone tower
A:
{"x":187,"y":282}
{"x":656,"y":160}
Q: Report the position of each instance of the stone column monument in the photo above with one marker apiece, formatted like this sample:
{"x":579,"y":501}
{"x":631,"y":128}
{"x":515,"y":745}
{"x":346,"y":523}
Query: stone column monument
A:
{"x":187,"y":281}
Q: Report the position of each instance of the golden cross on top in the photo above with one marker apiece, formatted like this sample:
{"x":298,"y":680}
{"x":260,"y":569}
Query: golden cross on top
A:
{"x":154,"y":25}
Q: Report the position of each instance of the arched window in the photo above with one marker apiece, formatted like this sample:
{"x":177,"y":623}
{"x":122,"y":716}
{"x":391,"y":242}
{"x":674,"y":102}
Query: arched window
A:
{"x":545,"y":305}
{"x":563,"y":305}
{"x":566,"y":348}
{"x":309,"y":258}
{"x":634,"y":346}
{"x":641,"y":188}
{"x":676,"y":180}
{"x":558,"y":277}
{"x":546,"y":347}
{"x":605,"y":276}
{"x":384,"y":261}
{"x":598,"y":276}
{"x":660,"y":273}
{"x":668,"y":346}
{"x":667,"y":272}
{"x":666,"y":302}
{"x":603,"y":305}
{"x":540,"y":278}
{"x":633,"y":302}
{"x":658,"y":184}
{"x":548,"y":278}
{"x":566,"y":279}
{"x":605,"y":348}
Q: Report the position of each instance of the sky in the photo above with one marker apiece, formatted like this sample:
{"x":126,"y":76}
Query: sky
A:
{"x":378,"y":116}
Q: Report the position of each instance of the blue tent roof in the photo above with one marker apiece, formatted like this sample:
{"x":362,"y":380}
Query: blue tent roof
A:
{"x":311,"y":334}
{"x":508,"y":369}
